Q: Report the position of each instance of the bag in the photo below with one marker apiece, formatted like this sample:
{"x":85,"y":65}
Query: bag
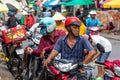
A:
{"x":14,"y":34}
{"x":100,"y":48}
{"x":29,"y":21}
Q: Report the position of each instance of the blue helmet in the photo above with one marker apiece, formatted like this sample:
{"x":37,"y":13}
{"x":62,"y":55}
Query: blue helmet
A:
{"x":47,"y":25}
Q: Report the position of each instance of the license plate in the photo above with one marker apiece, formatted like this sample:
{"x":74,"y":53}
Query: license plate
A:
{"x":19,"y":51}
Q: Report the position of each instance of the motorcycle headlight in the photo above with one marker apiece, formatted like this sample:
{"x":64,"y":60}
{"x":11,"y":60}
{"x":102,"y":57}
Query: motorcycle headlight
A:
{"x":117,"y":70}
{"x":64,"y":67}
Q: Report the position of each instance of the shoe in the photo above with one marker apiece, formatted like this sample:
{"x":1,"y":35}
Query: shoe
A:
{"x":99,"y":78}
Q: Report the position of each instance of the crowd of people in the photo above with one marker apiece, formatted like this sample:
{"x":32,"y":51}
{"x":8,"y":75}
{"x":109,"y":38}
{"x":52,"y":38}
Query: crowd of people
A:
{"x":69,"y":37}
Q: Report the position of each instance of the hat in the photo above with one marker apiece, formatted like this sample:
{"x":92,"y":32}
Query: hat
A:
{"x":58,"y":16}
{"x":24,"y":13}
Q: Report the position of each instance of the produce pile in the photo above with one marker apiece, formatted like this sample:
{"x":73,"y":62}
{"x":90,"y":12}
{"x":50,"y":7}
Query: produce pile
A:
{"x":109,"y":16}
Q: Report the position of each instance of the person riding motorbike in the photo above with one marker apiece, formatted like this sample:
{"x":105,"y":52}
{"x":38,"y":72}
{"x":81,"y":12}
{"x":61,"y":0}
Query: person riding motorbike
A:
{"x":104,"y":48}
{"x":71,"y":47}
{"x":12,"y":20}
{"x":49,"y":38}
{"x":92,"y":21}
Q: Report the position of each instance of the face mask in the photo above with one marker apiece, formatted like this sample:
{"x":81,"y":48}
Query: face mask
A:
{"x":43,"y":31}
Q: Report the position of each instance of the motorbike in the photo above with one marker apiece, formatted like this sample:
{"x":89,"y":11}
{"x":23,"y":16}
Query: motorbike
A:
{"x":112,"y":69}
{"x":13,"y":52}
{"x":60,"y":69}
{"x":33,"y":62}
{"x":94,"y":30}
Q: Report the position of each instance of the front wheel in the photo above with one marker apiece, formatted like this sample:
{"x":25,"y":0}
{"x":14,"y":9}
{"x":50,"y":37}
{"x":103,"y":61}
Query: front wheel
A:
{"x":46,"y":75}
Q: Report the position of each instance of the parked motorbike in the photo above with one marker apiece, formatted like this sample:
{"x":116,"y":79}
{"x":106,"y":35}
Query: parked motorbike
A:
{"x":13,"y":51}
{"x":112,"y":69}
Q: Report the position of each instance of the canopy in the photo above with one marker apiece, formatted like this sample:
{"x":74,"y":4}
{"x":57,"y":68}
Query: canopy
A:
{"x":51,"y":3}
{"x":112,"y":4}
{"x":77,"y":2}
{"x":12,"y":8}
{"x":106,"y":1}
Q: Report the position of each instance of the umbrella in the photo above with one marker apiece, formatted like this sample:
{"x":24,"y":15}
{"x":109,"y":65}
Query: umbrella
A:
{"x":77,"y":2}
{"x":112,"y":4}
{"x":52,"y":3}
{"x":11,"y":8}
{"x":3,"y":8}
{"x":106,"y":1}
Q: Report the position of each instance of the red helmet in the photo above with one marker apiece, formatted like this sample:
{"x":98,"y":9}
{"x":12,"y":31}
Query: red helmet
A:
{"x":72,"y":21}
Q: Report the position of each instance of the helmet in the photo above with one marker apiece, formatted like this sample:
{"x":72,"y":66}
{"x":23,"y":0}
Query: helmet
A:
{"x":10,"y":13}
{"x":92,"y":12}
{"x":47,"y":25}
{"x":72,"y":21}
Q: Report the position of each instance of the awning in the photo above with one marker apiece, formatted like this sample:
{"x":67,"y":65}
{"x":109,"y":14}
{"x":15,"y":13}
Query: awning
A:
{"x":51,"y":3}
{"x":77,"y":2}
{"x":112,"y":4}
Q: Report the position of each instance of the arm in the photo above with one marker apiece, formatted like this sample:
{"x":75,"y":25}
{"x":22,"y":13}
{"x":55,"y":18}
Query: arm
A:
{"x":54,"y":52}
{"x":90,"y":49}
{"x":61,"y":34}
{"x":40,"y":47}
{"x":89,"y":57}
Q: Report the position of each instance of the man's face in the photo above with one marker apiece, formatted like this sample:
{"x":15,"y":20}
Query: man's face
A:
{"x":75,"y":30}
{"x":93,"y":15}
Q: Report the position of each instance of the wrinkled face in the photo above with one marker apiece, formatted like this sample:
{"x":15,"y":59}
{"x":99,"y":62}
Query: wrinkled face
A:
{"x":75,"y":30}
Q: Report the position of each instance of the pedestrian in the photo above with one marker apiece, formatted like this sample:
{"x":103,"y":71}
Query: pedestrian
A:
{"x":12,"y":20}
{"x":104,"y":48}
{"x":29,"y":20}
{"x":59,"y":19}
{"x":24,"y":14}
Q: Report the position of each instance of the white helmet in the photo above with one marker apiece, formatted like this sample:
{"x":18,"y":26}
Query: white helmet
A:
{"x":92,"y":12}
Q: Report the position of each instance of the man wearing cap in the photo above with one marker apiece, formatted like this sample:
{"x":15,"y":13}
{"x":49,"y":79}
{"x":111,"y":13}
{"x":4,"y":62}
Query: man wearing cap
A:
{"x":92,"y":20}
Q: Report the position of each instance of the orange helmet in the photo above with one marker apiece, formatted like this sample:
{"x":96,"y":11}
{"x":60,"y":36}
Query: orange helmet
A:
{"x":72,"y":21}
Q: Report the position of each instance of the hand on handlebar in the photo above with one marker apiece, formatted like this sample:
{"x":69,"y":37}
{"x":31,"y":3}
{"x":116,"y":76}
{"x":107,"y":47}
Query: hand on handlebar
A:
{"x":28,"y":50}
{"x":82,"y":70}
{"x":47,"y":61}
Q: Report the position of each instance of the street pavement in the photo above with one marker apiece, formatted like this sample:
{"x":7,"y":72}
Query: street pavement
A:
{"x":114,"y":39}
{"x":4,"y":73}
{"x":111,"y":36}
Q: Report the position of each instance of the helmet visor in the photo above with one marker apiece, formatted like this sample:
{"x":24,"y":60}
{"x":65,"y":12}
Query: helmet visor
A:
{"x":43,"y":29}
{"x":76,"y":24}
